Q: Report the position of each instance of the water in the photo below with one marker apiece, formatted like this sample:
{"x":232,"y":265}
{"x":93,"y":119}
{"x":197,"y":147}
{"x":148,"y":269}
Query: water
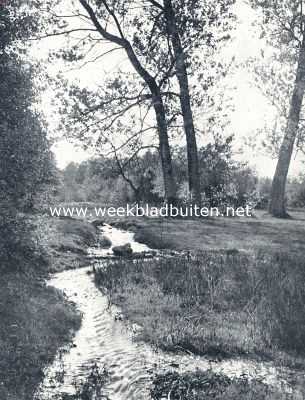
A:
{"x":107,"y":342}
{"x":118,"y":237}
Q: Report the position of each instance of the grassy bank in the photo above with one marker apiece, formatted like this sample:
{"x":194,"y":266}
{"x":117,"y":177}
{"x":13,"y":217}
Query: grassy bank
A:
{"x":65,"y":241}
{"x":217,"y":303}
{"x":208,"y":386}
{"x":242,"y":298}
{"x":220,"y":304}
{"x":258,"y":232}
{"x":36,"y":320}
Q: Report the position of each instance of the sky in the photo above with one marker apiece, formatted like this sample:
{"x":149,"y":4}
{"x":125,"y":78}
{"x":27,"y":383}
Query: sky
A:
{"x":251,"y":108}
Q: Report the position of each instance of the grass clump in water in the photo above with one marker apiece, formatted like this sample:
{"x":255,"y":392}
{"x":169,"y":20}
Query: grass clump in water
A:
{"x":92,"y":387}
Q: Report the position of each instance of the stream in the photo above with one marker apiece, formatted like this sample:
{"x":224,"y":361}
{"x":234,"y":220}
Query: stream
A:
{"x":109,"y":343}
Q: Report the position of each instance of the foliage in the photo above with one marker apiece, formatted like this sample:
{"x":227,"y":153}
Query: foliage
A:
{"x":25,"y":156}
{"x":99,"y":180}
{"x":264,"y":191}
{"x":26,"y":162}
{"x":296,"y":192}
{"x":123,"y":102}
{"x":281,"y":27}
{"x":224,"y":182}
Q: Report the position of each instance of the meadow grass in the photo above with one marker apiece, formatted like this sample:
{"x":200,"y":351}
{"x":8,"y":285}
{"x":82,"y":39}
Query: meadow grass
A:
{"x":258,"y":232}
{"x":220,"y":303}
{"x":208,"y":385}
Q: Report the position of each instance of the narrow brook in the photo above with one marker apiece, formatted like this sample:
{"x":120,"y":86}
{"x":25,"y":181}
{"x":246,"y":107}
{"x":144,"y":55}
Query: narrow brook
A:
{"x":105,"y":341}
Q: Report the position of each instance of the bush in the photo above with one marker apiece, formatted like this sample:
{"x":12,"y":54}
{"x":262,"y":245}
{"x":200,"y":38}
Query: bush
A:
{"x":296,"y":192}
{"x":19,"y":246}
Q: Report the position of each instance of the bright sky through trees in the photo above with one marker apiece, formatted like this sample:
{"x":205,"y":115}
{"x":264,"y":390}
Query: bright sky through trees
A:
{"x":252,"y":110}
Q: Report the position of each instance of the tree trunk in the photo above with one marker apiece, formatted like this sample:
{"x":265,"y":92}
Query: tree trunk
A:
{"x":165,"y":154}
{"x":185,"y":101}
{"x":277,"y":202}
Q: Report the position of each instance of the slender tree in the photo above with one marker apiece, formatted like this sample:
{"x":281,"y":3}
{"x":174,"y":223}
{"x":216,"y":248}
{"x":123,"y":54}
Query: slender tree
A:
{"x":192,"y":29}
{"x":157,"y":101}
{"x":185,"y":101}
{"x":277,"y":201}
{"x":284,"y":27}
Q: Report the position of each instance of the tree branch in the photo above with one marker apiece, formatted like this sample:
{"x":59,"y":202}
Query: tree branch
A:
{"x":114,"y":18}
{"x":126,"y":45}
{"x":138,"y":101}
{"x":47,"y":35}
{"x":120,"y":147}
{"x":156,"y":4}
{"x":106,"y":35}
{"x":94,"y":59}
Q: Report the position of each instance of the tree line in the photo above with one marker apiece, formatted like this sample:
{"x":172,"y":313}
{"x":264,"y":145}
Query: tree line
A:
{"x":175,"y":85}
{"x":172,"y":47}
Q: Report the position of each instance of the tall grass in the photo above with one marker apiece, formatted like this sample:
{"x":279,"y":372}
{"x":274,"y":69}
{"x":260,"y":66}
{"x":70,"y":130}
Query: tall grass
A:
{"x":215,"y":302}
{"x":208,"y":385}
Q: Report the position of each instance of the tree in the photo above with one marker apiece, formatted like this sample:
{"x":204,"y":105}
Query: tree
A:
{"x":217,"y":170}
{"x":158,"y":54}
{"x":26,"y":160}
{"x":277,"y":202}
{"x":99,"y":178}
{"x":156,"y":97}
{"x":98,"y":116}
{"x":187,"y":27}
{"x":285,"y":21}
{"x":185,"y":101}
